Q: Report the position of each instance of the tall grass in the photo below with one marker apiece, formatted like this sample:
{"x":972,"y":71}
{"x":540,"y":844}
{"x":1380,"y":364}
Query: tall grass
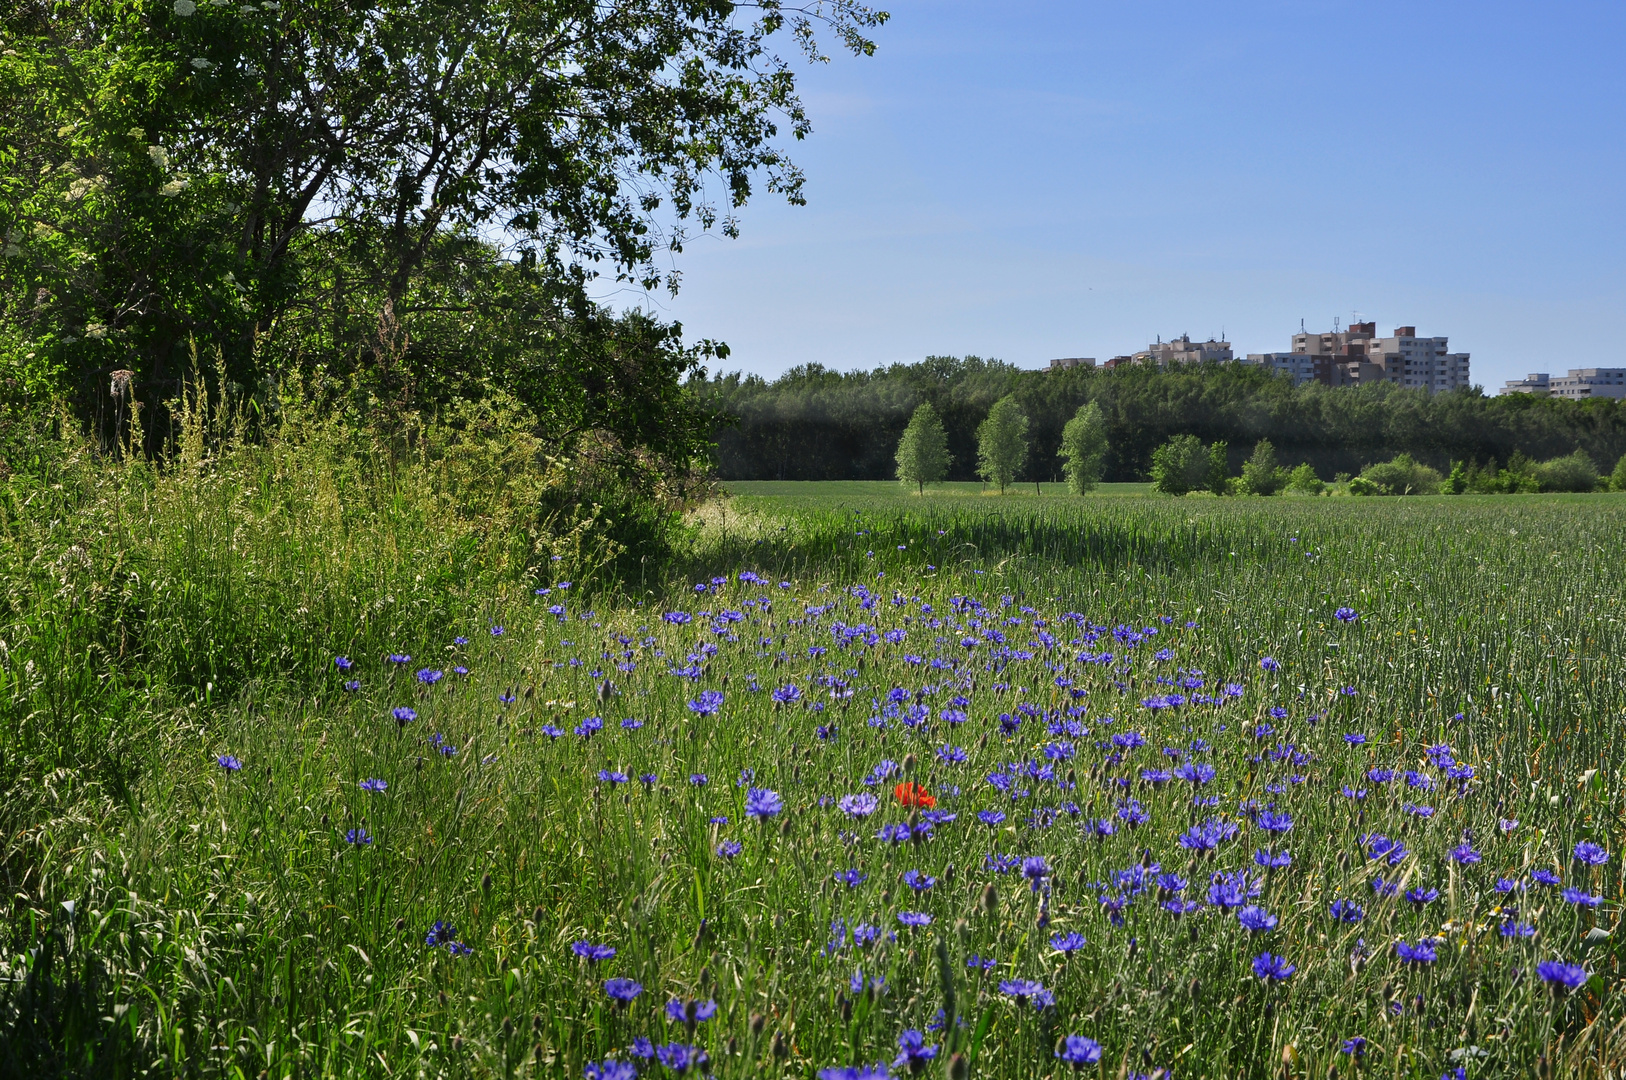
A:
{"x":216,"y":922}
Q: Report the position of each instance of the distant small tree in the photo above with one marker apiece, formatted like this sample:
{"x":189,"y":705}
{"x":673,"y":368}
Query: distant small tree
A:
{"x":1218,"y":478}
{"x":1084,"y":449}
{"x":1458,"y":481}
{"x":923,"y":455}
{"x":1261,"y":475}
{"x":1617,"y":481}
{"x":1401,"y":476}
{"x":1002,"y":443}
{"x":1180,"y":465}
{"x":1304,"y":481}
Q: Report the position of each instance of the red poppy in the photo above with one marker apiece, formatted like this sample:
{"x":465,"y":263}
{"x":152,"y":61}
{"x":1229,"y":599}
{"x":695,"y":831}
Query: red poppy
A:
{"x":912,"y":794}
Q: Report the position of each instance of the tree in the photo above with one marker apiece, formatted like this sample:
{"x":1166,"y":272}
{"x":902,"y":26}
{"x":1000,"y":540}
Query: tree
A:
{"x":1261,"y":475}
{"x":337,"y":185}
{"x":923,"y":456}
{"x":1217,"y":479}
{"x":1180,"y":465}
{"x":1573,"y":472}
{"x":1084,"y":449}
{"x":1304,"y":481}
{"x":1002,"y":442}
{"x":1617,"y":479}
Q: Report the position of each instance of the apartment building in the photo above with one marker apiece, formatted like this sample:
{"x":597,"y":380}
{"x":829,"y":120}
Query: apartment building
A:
{"x":1357,"y":356}
{"x":1182,"y":350}
{"x":1065,"y":362}
{"x":1578,"y":385}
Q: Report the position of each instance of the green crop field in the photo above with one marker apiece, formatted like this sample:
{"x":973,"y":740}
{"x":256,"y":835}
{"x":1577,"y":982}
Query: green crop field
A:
{"x":865,"y":785}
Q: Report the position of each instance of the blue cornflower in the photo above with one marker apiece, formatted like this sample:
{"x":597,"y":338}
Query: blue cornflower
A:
{"x":1272,"y":821}
{"x":1256,"y":919}
{"x":1511,"y":928}
{"x":699,"y":779}
{"x":680,"y":1058}
{"x":1465,"y":854}
{"x":991,"y":818}
{"x":352,"y":686}
{"x":728,"y":849}
{"x":373,"y":785}
{"x":1346,"y":615}
{"x":787,"y":694}
{"x":442,"y":933}
{"x":404,"y":714}
{"x":1354,"y":1046}
{"x":1346,"y":911}
{"x":622,"y":990}
{"x":1272,"y":860}
{"x":1421,"y":953}
{"x":859,"y":806}
{"x":428,"y":677}
{"x":895,"y":834}
{"x":228,"y":762}
{"x":1581,"y":899}
{"x":1269,"y":664}
{"x":708,"y":703}
{"x":1025,"y":990}
{"x":1559,"y":974}
{"x":589,"y":951}
{"x":1067,"y":943}
{"x":762,"y":804}
{"x":399,"y":658}
{"x":611,"y":777}
{"x":1272,"y":968}
{"x":631,"y":724}
{"x":913,"y":1053}
{"x":853,"y":1072}
{"x":690,"y":1012}
{"x":1591,"y":854}
{"x":918,"y":881}
{"x":1422,"y":896}
{"x":1035,"y":869}
{"x":1079,"y":1051}
{"x":342,"y":663}
{"x":358,"y":837}
{"x":1355,"y":738}
{"x":852,"y":877}
{"x":914,"y":918}
{"x":460,"y":640}
{"x":1543,"y":876}
{"x":591,"y":724}
{"x":610,"y":1070}
{"x":497,"y":631}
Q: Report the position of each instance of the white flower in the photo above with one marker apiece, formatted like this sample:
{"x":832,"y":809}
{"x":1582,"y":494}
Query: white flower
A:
{"x":183,"y":8}
{"x":174,"y":187}
{"x":200,"y":64}
{"x":95,"y":331}
{"x":160,"y":156}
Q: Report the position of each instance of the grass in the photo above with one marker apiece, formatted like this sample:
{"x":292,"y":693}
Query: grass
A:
{"x":201,"y":920}
{"x":819,"y":491}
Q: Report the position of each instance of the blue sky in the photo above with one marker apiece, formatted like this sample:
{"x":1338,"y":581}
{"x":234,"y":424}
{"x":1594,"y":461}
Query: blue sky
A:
{"x":1027,"y":180}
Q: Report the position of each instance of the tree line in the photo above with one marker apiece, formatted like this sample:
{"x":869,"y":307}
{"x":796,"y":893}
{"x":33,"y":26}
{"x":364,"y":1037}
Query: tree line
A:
{"x":814,"y":423}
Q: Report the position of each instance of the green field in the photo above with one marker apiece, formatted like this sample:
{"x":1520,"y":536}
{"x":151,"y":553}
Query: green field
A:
{"x":823,"y":490}
{"x":1081,"y":681}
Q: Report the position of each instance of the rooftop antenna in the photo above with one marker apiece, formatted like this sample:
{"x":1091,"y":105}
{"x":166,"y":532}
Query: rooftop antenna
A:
{"x":1301,"y":326}
{"x":1335,"y":324}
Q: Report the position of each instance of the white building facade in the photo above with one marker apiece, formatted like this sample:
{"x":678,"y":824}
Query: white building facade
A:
{"x":1579,"y":385}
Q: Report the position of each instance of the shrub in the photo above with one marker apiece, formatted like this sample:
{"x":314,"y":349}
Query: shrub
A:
{"x":1401,"y":476}
{"x":1573,"y":472}
{"x":1617,"y":481}
{"x":1304,"y":481}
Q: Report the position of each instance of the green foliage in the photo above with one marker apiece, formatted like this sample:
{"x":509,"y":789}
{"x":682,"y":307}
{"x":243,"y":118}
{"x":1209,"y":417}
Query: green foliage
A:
{"x":1617,"y":479}
{"x":1084,"y":449}
{"x":1304,"y":481}
{"x":316,"y":189}
{"x":1261,"y":475}
{"x":1574,"y":472}
{"x":1218,"y":479}
{"x":1400,"y":476}
{"x":1457,"y":482}
{"x":1181,"y":465}
{"x":923,"y":456}
{"x":1002,"y":444}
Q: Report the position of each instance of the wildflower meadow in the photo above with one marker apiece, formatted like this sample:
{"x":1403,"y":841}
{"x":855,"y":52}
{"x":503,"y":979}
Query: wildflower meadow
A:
{"x":871,"y":788}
